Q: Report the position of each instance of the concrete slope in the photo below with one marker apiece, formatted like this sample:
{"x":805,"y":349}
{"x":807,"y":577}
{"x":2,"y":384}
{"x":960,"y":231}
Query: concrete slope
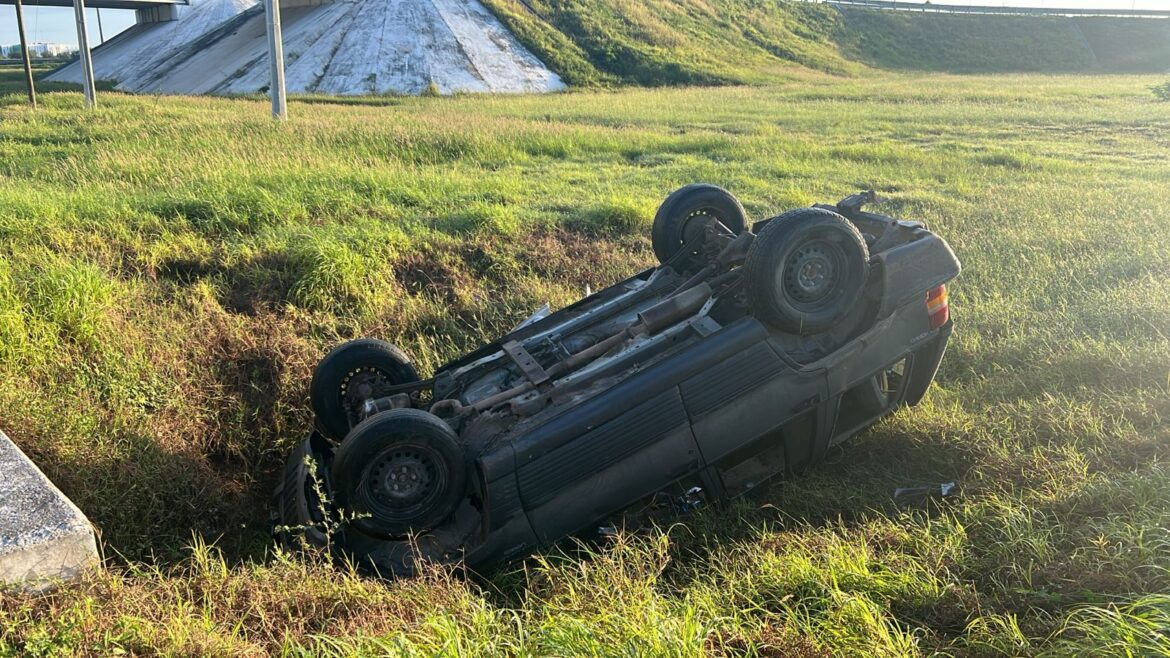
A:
{"x":140,"y":49}
{"x":345,"y":47}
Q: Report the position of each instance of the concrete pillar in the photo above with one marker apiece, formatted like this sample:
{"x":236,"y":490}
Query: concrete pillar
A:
{"x":159,"y":14}
{"x":44,"y":538}
{"x":275,"y":59}
{"x":24,"y":55}
{"x":86,"y":56}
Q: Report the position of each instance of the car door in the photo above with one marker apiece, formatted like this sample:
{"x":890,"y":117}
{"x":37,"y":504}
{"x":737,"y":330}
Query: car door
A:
{"x":606,"y":467}
{"x":747,"y":397}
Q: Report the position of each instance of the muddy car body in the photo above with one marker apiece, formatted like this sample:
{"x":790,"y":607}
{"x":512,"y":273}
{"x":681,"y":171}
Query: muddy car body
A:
{"x":744,"y":354}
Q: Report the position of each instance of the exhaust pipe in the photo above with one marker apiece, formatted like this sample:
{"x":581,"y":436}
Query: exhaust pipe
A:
{"x":675,"y":308}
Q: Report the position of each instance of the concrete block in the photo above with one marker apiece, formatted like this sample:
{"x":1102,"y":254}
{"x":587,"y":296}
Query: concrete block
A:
{"x":44,"y":538}
{"x":157,"y":14}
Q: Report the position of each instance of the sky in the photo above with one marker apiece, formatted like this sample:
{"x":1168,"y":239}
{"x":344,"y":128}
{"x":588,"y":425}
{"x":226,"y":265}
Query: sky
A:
{"x":55,"y":24}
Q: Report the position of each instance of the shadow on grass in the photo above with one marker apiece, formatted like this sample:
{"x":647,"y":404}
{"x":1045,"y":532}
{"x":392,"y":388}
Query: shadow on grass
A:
{"x":263,"y":283}
{"x":369,"y":101}
{"x":139,"y":498}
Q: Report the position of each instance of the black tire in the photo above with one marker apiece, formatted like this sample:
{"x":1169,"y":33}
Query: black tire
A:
{"x":402,"y":447}
{"x":297,"y":503}
{"x":806,"y":270}
{"x":336,"y":381}
{"x":685,"y":211}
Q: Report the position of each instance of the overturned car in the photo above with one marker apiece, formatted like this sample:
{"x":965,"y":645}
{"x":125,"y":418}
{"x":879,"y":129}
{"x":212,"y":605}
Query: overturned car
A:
{"x":746,"y":353}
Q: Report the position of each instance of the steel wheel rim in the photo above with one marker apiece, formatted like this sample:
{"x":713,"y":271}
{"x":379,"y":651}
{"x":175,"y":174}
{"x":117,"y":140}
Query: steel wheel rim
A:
{"x":402,"y":483}
{"x":359,"y":385}
{"x":812,"y":274}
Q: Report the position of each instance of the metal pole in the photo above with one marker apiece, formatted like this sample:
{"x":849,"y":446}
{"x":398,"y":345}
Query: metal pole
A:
{"x":276,"y":60}
{"x":86,"y":59}
{"x":24,"y":54}
{"x":101,"y":33}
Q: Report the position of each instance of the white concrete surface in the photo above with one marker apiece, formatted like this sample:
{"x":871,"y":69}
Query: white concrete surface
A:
{"x":44,"y":538}
{"x":131,"y":56}
{"x":345,"y":47}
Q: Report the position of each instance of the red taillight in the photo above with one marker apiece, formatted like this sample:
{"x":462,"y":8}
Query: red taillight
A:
{"x":937,"y":307}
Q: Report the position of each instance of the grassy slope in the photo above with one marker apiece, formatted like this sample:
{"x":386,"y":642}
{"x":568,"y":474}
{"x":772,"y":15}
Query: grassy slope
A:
{"x":170,"y":270}
{"x":1128,"y":45}
{"x":665,"y":42}
{"x":942,"y":42}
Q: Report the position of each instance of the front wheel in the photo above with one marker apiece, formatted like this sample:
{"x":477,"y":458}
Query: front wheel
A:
{"x":874,"y":395}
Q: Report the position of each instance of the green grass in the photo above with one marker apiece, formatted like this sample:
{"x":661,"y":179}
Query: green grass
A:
{"x":666,"y":42}
{"x":608,"y":43}
{"x":974,"y":43}
{"x":661,"y":42}
{"x":172,"y":268}
{"x":12,"y":79}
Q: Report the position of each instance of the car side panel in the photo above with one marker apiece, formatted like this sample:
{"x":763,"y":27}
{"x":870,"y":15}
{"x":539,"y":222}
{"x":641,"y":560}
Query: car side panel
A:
{"x":777,"y":394}
{"x":505,"y":499}
{"x":909,"y":270}
{"x":669,"y":455}
{"x":724,"y":382}
{"x":596,"y":450}
{"x":512,"y":538}
{"x":625,"y":443}
{"x":895,"y":337}
{"x":508,"y":531}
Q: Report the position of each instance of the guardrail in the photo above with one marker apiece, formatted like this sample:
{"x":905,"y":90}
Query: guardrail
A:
{"x":927,"y":7}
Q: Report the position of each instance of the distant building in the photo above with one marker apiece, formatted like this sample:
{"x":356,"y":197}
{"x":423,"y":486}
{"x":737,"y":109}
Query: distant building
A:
{"x":39,"y":49}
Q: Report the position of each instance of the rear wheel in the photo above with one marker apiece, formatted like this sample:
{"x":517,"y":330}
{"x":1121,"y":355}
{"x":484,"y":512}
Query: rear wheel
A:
{"x":806,"y":270}
{"x":915,"y":375}
{"x":301,"y":513}
{"x":399,"y":472}
{"x":684,"y":215}
{"x":350,"y":374}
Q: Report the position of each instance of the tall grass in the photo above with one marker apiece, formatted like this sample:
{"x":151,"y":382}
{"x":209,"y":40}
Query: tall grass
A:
{"x":171,"y":270}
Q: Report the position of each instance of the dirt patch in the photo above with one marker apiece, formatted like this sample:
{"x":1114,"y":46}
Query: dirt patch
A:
{"x":435,"y":272}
